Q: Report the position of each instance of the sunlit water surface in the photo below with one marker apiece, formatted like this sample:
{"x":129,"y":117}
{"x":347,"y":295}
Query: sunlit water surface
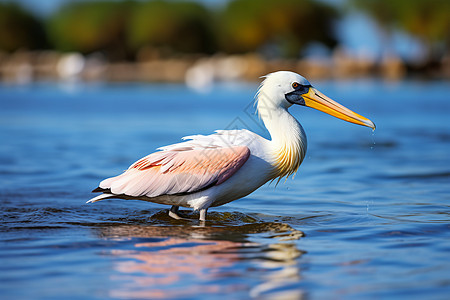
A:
{"x":367,"y":215}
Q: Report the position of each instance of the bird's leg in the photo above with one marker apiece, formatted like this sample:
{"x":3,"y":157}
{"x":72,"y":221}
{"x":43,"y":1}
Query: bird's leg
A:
{"x":173,"y":213}
{"x":203,"y":214}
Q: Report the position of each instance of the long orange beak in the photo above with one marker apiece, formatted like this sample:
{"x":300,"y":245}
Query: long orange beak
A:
{"x":315,"y":99}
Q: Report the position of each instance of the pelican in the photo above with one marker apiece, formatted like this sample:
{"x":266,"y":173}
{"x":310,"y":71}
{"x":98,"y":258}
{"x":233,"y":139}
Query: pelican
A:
{"x":206,"y":171}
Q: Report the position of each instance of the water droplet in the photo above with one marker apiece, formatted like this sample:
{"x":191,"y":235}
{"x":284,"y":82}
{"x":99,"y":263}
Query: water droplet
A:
{"x":368,"y":204}
{"x":373,"y":140}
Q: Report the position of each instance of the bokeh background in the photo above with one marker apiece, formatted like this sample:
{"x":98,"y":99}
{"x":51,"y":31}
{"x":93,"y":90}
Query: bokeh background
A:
{"x":222,"y":40}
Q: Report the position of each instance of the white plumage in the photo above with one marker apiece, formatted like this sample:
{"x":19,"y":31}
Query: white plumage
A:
{"x":212,"y":170}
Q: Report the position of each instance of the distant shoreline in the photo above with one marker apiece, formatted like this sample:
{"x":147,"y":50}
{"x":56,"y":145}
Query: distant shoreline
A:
{"x":199,"y":71}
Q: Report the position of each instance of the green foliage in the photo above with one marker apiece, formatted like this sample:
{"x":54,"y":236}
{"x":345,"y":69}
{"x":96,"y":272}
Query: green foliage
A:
{"x":248,"y":25}
{"x":188,"y":27}
{"x":90,"y":26}
{"x":428,"y":20}
{"x":121,"y":28}
{"x":19,"y":29}
{"x":182,"y":26}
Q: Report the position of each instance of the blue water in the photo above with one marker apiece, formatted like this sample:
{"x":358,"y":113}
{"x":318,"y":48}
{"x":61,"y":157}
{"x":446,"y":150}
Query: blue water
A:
{"x":366,"y":216}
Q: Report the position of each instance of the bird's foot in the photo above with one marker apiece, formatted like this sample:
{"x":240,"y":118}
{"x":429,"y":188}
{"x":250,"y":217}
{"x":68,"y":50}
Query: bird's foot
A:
{"x":176,"y":214}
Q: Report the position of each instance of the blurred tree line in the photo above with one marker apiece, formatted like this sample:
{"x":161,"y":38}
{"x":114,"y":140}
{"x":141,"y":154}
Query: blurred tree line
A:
{"x":428,"y":20}
{"x":120,"y":28}
{"x":20,"y":29}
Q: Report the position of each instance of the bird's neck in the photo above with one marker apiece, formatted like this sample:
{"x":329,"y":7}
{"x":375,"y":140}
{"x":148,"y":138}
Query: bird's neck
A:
{"x":288,"y":140}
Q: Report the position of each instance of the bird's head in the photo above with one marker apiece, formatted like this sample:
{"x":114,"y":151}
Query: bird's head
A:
{"x":284,"y":89}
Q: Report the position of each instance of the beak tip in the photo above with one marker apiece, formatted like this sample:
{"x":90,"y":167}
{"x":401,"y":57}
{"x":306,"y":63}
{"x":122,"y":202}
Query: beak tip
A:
{"x":371,"y":125}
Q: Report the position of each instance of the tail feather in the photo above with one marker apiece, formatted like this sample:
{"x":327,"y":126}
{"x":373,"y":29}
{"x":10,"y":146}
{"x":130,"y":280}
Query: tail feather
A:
{"x":100,"y":190}
{"x":100,"y":197}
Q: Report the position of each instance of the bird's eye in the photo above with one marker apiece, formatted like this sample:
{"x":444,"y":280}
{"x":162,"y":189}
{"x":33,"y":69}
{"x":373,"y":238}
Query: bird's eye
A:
{"x":295,"y":85}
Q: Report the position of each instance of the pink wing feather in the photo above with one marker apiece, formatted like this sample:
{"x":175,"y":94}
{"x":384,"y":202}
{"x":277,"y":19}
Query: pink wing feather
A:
{"x":173,"y":171}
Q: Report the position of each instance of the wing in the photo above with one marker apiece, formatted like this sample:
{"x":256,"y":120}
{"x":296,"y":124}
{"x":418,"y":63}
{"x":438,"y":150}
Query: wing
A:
{"x":179,"y":169}
{"x":220,"y":139}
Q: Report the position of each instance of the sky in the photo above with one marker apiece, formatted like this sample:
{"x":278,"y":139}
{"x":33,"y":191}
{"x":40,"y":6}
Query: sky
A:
{"x":356,"y":32}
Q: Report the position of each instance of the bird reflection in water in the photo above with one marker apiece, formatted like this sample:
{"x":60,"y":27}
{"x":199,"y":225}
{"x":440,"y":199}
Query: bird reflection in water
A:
{"x":253,"y":260}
